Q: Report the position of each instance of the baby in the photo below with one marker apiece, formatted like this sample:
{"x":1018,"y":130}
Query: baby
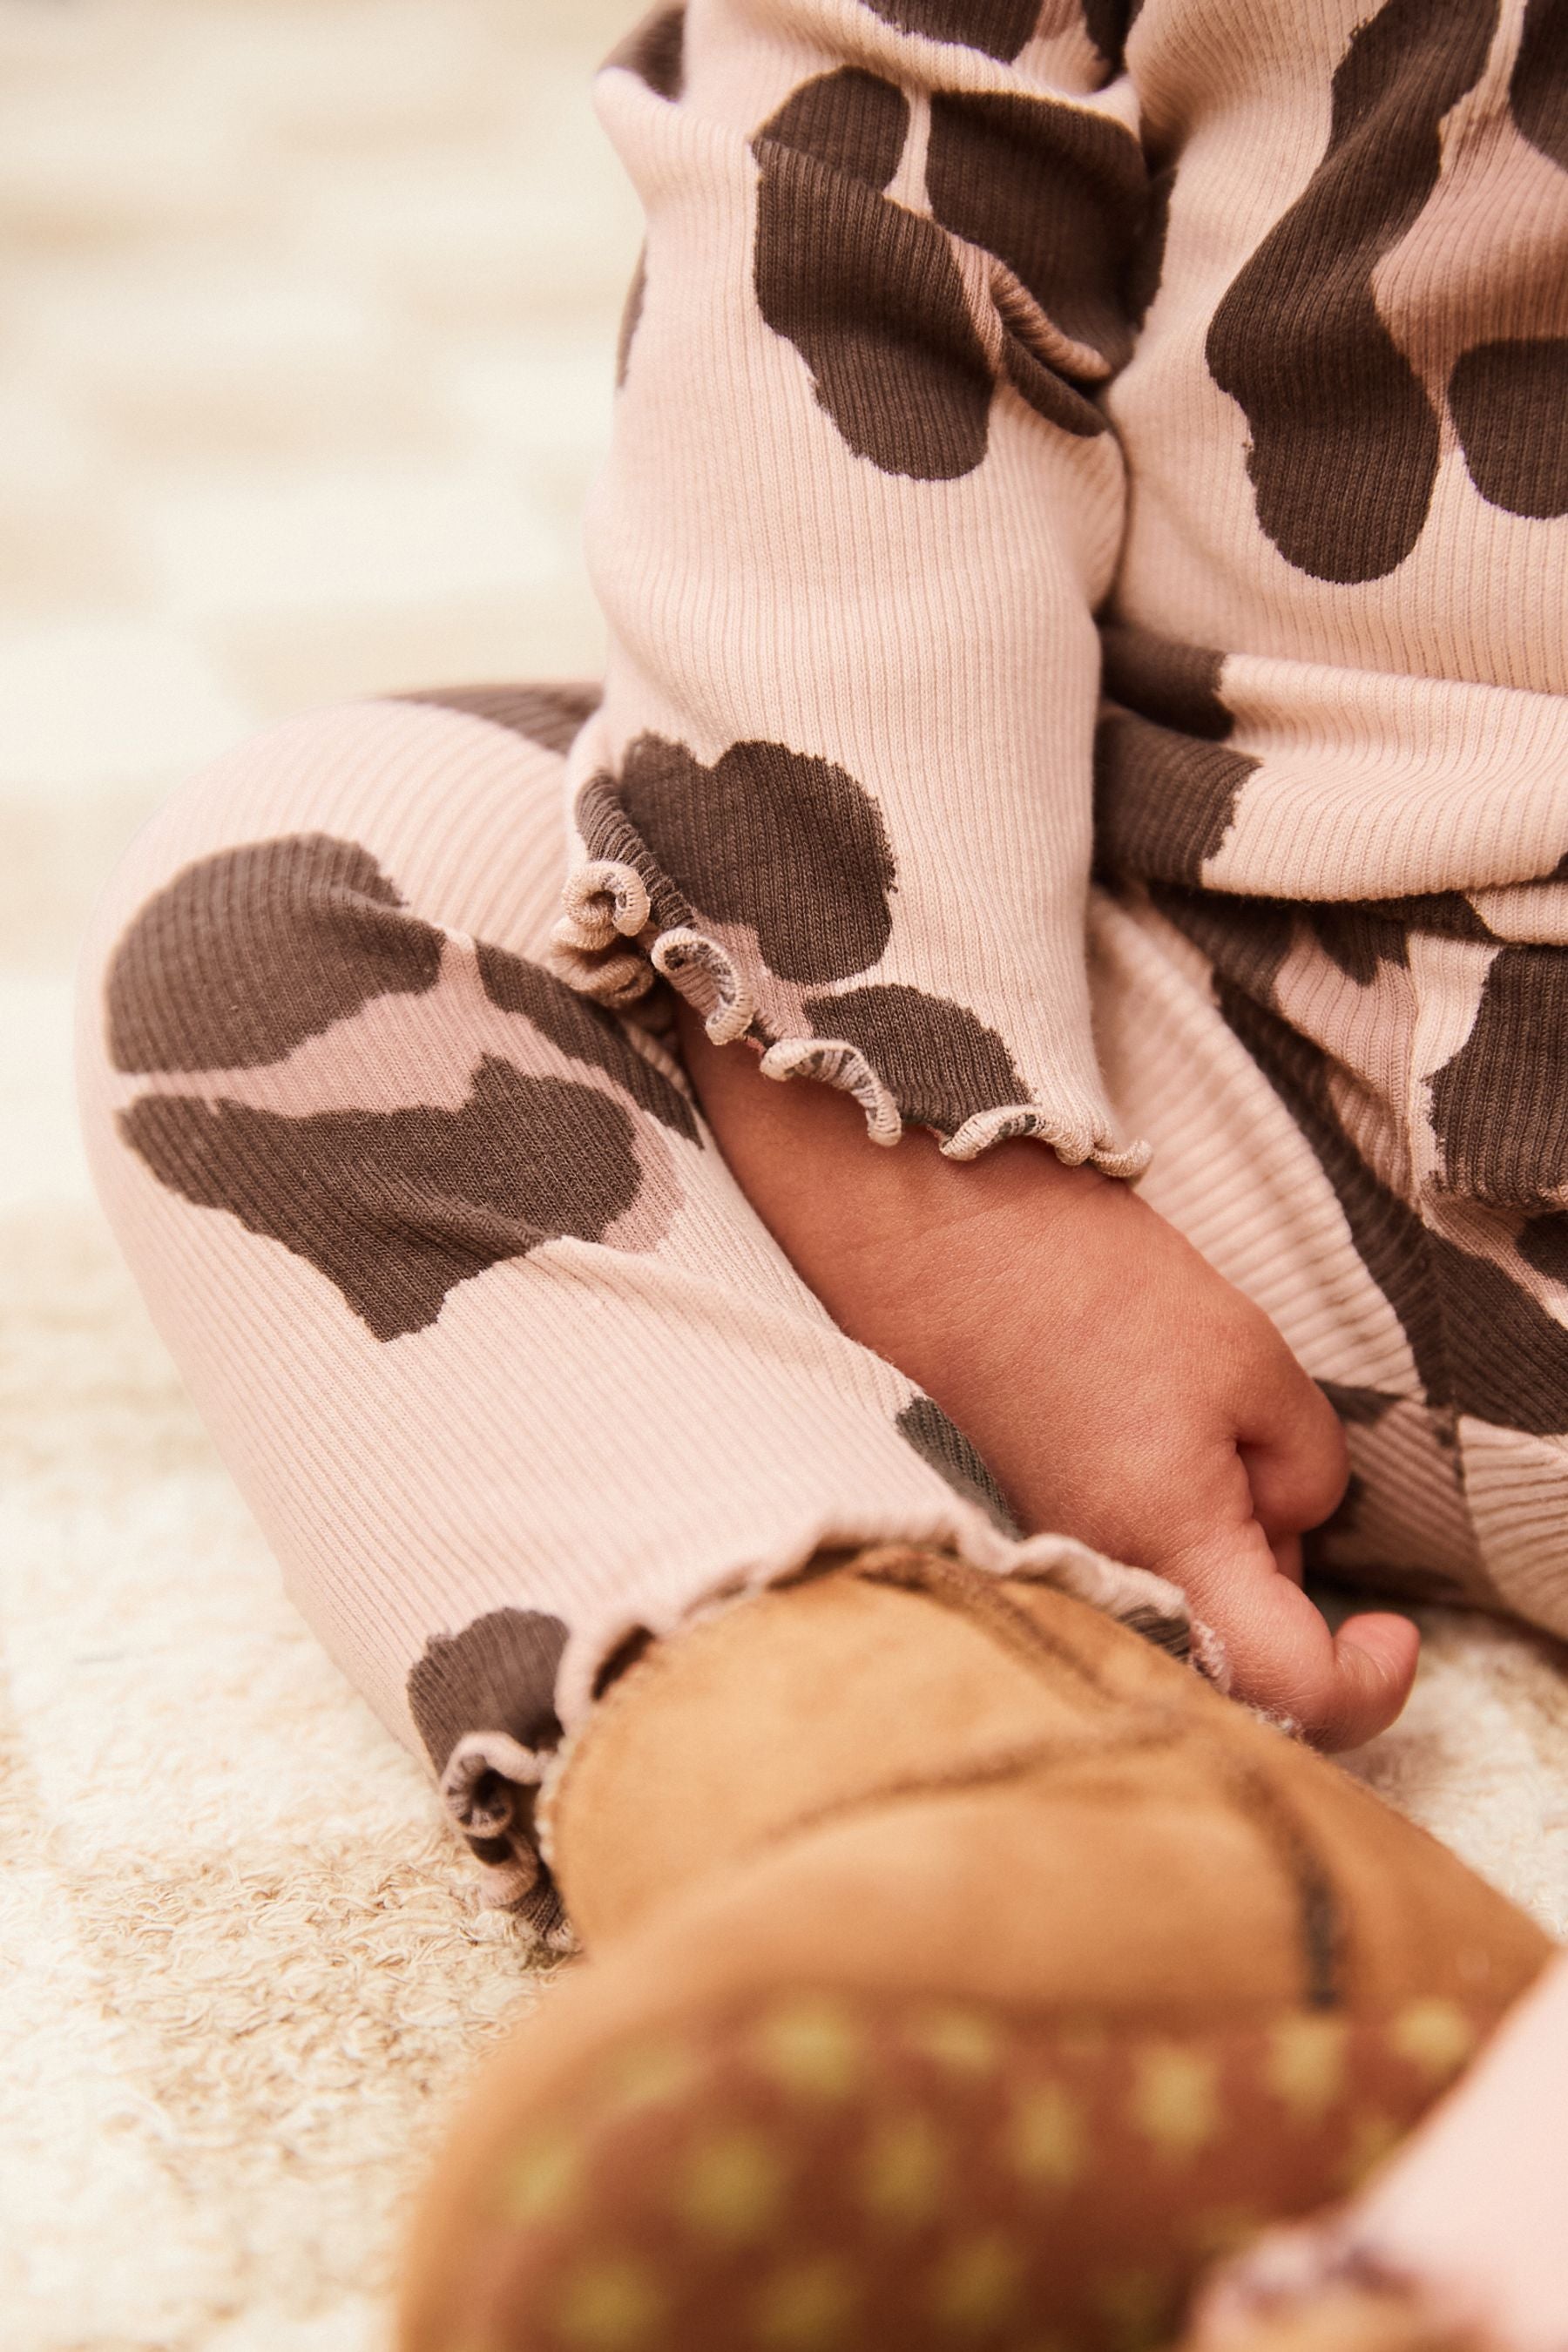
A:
{"x":1084,"y":551}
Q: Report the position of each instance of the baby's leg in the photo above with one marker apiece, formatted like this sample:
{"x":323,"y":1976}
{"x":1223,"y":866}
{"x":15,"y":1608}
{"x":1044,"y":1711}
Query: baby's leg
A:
{"x":498,"y":1354}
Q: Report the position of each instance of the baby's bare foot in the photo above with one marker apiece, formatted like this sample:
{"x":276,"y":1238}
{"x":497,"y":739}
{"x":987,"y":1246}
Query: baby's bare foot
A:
{"x":1119,"y":1389}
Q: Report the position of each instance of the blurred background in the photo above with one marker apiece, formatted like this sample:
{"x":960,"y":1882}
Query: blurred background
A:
{"x":308,"y":313}
{"x":306,"y":310}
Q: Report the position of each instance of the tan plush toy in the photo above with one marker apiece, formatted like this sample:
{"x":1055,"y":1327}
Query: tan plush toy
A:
{"x":962,"y":1971}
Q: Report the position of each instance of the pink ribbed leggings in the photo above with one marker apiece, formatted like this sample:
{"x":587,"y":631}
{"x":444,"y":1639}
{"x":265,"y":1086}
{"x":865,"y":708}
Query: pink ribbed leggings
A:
{"x":510,"y":1373}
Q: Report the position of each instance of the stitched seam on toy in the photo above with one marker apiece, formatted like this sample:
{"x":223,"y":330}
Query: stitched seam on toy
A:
{"x":971,"y":1593}
{"x":1321,"y":1925}
{"x":976,"y":1595}
{"x":1012,"y":1765}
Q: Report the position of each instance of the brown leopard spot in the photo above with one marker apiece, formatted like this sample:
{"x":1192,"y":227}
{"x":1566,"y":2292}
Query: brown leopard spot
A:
{"x":1163,"y":802}
{"x":768,"y":837}
{"x":1510,"y":406}
{"x":852,"y":121}
{"x":1248,"y":942}
{"x":587,"y":1032}
{"x":1358,"y":940}
{"x":1508,"y":1357}
{"x":1165,"y":793}
{"x":1248,"y":938}
{"x":1499,"y":1106}
{"x":1344,"y":443}
{"x":655,"y":51}
{"x":1360,"y":1408}
{"x":1538,"y":86}
{"x":942,"y":1064}
{"x":1245,"y":939}
{"x":548,"y":716}
{"x":396,"y":1208}
{"x":1162,"y":679}
{"x":1388,"y":1236}
{"x":1057,"y":192}
{"x":1046,"y":389}
{"x":498,"y":1674}
{"x":999,"y":28}
{"x":1543,"y":1243}
{"x":1482,"y":1345}
{"x":943,"y":1447}
{"x":1368,"y":1538}
{"x":1449,"y":913}
{"x":1361,"y":937}
{"x":243,"y":956}
{"x":868,"y":292}
{"x":1108,"y":24}
{"x":609,"y":832}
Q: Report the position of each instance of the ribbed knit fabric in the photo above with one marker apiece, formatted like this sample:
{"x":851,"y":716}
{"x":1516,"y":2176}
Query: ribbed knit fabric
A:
{"x":1303,"y":1088}
{"x":959,"y":320}
{"x":503,"y":1360}
{"x":508,"y":1369}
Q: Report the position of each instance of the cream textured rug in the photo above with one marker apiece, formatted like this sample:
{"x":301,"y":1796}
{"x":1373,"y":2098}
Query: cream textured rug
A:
{"x":309,"y":307}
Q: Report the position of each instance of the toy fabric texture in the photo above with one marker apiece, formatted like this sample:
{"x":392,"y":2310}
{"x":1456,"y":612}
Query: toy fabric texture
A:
{"x":985,"y":2007}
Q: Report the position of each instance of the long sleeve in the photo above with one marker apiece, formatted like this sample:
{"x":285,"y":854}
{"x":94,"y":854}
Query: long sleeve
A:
{"x":861,"y":504}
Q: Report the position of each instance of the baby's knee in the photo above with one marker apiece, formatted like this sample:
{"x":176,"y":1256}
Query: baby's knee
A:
{"x":243,"y":911}
{"x":319,"y":867}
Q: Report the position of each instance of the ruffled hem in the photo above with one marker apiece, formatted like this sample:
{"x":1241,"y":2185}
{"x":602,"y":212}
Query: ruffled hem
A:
{"x":489,"y":1789}
{"x":608,"y":947}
